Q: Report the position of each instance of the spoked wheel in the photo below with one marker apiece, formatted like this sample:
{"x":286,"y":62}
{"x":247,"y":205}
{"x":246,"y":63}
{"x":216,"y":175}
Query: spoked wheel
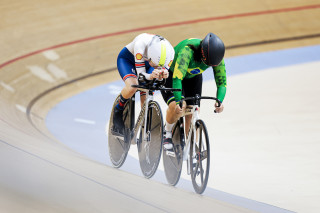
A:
{"x":172,"y":162}
{"x":119,"y":145}
{"x":200,"y":158}
{"x":150,"y":145}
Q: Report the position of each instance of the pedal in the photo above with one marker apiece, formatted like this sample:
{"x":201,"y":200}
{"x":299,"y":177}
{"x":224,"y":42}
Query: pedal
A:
{"x":170,"y":153}
{"x":194,"y":165}
{"x":119,"y":137}
{"x":117,"y":134}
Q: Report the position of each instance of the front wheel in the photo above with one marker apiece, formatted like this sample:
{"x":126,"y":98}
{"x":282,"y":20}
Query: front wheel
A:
{"x":150,"y":145}
{"x":200,"y":157}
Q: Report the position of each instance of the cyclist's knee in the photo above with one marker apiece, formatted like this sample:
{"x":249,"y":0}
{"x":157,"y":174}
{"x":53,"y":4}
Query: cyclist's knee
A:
{"x":172,"y":107}
{"x":129,"y":82}
{"x":131,"y":90}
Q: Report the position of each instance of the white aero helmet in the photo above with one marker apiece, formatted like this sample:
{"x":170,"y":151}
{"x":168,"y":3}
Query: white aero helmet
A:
{"x":160,"y":51}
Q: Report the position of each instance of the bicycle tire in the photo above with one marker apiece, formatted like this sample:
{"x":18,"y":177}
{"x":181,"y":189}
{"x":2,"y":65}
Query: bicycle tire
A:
{"x":118,"y":148}
{"x":200,"y":158}
{"x":173,"y":164}
{"x":149,"y":151}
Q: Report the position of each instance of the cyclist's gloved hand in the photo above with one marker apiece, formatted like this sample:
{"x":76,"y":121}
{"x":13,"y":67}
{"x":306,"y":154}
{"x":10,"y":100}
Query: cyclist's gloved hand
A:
{"x":164,"y":73}
{"x":218,"y":109}
{"x":155,"y":74}
{"x":159,"y":74}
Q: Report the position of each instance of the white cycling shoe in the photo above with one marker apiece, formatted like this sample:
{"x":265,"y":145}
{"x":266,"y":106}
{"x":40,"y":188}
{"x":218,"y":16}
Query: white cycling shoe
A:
{"x":167,"y":143}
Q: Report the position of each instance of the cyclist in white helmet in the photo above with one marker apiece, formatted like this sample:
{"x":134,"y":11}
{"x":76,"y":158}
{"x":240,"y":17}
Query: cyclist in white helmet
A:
{"x":147,"y":57}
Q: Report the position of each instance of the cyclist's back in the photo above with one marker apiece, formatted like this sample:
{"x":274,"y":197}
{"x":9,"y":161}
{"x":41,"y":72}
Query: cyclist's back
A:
{"x":185,"y":59}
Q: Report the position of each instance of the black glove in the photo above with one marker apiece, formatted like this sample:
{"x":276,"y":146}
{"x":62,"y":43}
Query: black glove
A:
{"x":142,"y":79}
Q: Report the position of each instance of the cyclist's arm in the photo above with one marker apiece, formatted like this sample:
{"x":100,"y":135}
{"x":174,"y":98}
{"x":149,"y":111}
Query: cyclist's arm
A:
{"x":139,"y":49}
{"x":220,"y":77}
{"x":180,"y":71}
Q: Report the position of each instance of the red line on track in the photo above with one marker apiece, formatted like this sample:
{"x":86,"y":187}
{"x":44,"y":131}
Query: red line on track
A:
{"x":283,"y":10}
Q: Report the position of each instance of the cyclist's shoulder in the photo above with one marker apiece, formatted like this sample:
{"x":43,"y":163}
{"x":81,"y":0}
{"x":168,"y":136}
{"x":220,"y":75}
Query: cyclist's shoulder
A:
{"x":187,"y":46}
{"x":142,"y":39}
{"x":194,"y":41}
{"x":221,"y":65}
{"x":220,"y":70}
{"x":190,"y":41}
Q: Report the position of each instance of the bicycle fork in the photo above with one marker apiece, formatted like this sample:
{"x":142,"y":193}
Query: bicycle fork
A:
{"x":147,"y":120}
{"x":146,"y":135}
{"x":186,"y":154}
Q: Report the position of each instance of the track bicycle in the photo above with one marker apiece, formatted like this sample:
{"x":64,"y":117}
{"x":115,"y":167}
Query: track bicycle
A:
{"x":146,"y":132}
{"x":193,"y":148}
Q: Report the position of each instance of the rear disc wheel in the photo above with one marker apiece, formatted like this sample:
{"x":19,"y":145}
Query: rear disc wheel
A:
{"x":172,"y":162}
{"x":119,"y":145}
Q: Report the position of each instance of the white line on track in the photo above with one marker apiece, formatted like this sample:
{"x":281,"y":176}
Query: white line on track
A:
{"x":41,"y":73}
{"x":57,"y":72}
{"x":7,"y":87}
{"x":85,"y":121}
{"x":21,"y":108}
{"x":51,"y":55}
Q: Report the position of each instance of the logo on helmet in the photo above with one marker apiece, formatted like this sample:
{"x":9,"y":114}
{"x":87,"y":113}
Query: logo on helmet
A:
{"x":203,"y":56}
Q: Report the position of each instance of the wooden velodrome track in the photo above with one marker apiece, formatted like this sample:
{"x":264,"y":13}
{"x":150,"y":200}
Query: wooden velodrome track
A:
{"x":39,"y":174}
